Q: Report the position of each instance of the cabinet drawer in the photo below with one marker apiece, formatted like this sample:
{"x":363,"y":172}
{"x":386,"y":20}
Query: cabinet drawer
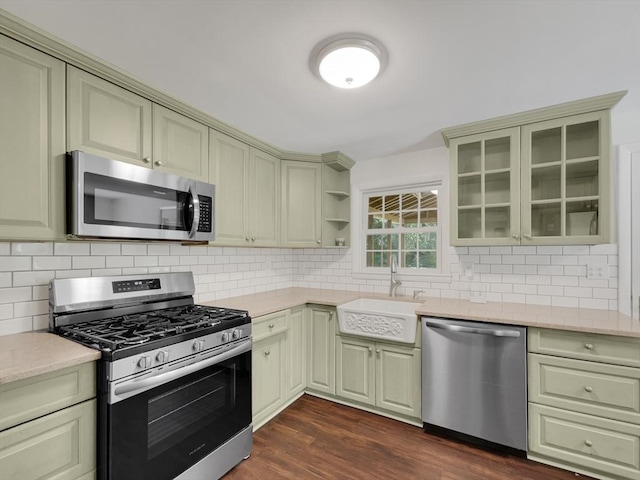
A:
{"x":33,"y":397}
{"x":585,"y":441}
{"x":610,"y":391}
{"x":271,"y":324}
{"x":61,"y":445}
{"x":586,"y":346}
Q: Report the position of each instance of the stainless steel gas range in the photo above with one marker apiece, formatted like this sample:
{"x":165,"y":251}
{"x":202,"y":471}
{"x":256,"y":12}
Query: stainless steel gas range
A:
{"x":174,"y":380}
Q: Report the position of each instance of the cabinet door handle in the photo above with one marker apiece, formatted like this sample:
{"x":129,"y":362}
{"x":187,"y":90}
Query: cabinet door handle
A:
{"x":588,"y":443}
{"x":378,"y":351}
{"x":318,"y":242}
{"x":330,"y":315}
{"x":588,"y":389}
{"x":516,"y":236}
{"x":158,"y":163}
{"x":588,"y":346}
{"x":253,"y":239}
{"x":146,"y":159}
{"x":527,"y":236}
{"x":370,"y":349}
{"x":271,"y":325}
{"x":267,"y":353}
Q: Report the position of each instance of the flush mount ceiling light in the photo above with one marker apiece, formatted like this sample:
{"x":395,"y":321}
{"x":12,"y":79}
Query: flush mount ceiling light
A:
{"x":348,"y":60}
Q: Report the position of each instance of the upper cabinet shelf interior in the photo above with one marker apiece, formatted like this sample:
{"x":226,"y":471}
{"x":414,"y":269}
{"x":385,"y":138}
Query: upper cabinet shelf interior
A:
{"x":544,"y":179}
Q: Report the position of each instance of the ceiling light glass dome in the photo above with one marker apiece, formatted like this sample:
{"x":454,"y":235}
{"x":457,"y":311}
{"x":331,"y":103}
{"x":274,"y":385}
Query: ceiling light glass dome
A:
{"x":348,"y":60}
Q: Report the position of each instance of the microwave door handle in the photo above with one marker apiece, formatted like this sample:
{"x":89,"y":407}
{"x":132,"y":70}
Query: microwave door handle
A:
{"x":195,"y":218}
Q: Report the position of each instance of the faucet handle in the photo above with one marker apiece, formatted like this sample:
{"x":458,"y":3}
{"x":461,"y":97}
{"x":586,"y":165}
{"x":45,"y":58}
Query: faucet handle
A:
{"x":417,"y":293}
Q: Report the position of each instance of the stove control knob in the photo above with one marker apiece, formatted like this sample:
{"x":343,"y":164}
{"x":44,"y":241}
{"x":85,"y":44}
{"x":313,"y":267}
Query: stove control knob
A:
{"x":225,"y":336}
{"x":144,"y":362}
{"x":162,"y":356}
{"x":236,"y":334}
{"x":197,"y":345}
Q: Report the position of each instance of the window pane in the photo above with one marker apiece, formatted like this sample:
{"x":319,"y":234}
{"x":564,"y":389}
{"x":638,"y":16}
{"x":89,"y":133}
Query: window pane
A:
{"x":394,"y":241}
{"x":410,"y":260}
{"x":410,"y":201}
{"x":429,"y":199}
{"x":378,"y":242}
{"x":392,"y":203}
{"x":392,"y":220}
{"x":375,"y":204}
{"x":376,"y":221}
{"x":428,"y":260}
{"x":410,"y":241}
{"x":410,"y":219}
{"x":427,"y":241}
{"x":428,"y":218}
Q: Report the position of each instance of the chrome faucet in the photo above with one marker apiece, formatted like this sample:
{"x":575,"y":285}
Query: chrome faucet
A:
{"x":394,"y":269}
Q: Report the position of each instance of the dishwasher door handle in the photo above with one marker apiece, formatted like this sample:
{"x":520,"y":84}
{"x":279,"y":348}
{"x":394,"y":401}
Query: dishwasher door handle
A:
{"x":481,"y":331}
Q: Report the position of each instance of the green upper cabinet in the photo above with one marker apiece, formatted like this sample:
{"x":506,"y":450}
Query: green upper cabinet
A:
{"x":485,"y":186}
{"x":109,"y":121}
{"x":301,"y":204}
{"x":32,"y":143}
{"x":545,"y":180}
{"x":247,"y":192}
{"x":180,"y":145}
{"x":565,"y":180}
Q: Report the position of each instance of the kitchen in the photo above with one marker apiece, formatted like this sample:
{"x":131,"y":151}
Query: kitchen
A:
{"x":544,"y":275}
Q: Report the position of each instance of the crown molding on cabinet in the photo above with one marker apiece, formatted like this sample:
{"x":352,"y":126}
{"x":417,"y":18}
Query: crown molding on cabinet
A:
{"x":338,"y":161}
{"x":39,"y":39}
{"x":586,"y":105}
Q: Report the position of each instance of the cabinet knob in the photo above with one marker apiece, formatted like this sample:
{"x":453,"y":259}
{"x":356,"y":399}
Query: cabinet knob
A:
{"x":318,"y":242}
{"x":158,"y":163}
{"x":370,"y":349}
{"x":267,"y":353}
{"x":527,"y":236}
{"x":588,"y":346}
{"x":330,"y":315}
{"x":516,"y":236}
{"x":247,"y":239}
{"x":253,"y":239}
{"x":588,"y":389}
{"x":588,"y":443}
{"x":146,"y":159}
{"x":271,"y":325}
{"x":378,"y":351}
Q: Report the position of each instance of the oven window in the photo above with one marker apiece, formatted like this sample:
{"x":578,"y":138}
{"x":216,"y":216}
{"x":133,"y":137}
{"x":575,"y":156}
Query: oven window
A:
{"x":160,"y":433}
{"x":172,"y":416}
{"x":112,"y":201}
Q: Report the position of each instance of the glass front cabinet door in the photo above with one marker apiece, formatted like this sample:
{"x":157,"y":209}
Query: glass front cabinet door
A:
{"x":565,"y":180}
{"x":485,"y":187}
{"x":545,"y":183}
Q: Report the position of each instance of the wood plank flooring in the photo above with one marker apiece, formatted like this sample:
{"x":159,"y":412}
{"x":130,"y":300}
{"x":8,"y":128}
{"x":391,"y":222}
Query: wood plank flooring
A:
{"x":318,"y":439}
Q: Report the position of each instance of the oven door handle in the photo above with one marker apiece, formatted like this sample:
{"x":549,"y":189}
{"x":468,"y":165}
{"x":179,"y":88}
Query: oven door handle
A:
{"x":134,"y":387}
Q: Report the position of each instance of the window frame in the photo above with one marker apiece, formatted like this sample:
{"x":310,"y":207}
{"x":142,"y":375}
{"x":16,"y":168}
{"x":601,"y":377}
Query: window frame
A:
{"x":360,"y":195}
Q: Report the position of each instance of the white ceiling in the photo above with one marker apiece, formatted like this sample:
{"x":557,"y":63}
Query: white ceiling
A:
{"x":246,"y":62}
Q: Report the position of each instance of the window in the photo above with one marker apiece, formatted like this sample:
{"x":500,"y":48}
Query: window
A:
{"x":404,"y":223}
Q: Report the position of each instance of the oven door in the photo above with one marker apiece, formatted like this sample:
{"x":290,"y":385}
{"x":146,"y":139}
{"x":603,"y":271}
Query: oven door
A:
{"x":162,"y":431}
{"x":118,"y":200}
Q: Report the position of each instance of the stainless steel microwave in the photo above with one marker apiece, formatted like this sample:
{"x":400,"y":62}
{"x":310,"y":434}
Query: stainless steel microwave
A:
{"x":112,"y":199}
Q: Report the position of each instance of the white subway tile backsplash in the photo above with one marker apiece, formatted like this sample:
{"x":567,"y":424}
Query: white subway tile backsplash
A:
{"x":22,"y":279}
{"x":519,"y":274}
{"x":134,"y":249}
{"x":14,"y":264}
{"x":71,"y":248}
{"x":105,"y":249}
{"x":88,"y":262}
{"x":604,"y":249}
{"x":31,"y":248}
{"x":51,"y":263}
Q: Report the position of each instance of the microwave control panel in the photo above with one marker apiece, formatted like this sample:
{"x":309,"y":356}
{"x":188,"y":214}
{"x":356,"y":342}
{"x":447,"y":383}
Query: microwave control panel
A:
{"x":206,"y":207}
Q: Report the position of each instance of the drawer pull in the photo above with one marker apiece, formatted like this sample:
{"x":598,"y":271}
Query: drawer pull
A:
{"x":588,"y":346}
{"x":588,"y":443}
{"x":267,"y":352}
{"x":271,"y":325}
{"x":588,"y":389}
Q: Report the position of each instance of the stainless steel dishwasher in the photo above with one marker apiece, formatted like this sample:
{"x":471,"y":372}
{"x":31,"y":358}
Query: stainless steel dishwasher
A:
{"x":474,"y":381}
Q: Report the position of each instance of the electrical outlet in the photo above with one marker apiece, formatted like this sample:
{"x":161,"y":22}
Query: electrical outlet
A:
{"x":597,"y":271}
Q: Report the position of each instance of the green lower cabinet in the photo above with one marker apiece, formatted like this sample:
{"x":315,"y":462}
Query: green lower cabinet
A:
{"x":597,"y":446}
{"x":296,"y":358}
{"x":382,"y":375}
{"x":321,"y":348}
{"x":58,"y":446}
{"x":268,"y":377}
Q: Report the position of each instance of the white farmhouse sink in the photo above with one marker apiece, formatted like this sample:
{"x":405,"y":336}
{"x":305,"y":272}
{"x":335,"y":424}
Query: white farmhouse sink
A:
{"x":389,"y":320}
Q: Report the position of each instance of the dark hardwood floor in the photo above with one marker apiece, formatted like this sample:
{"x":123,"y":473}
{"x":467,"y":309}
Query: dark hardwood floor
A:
{"x":317,"y":439}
